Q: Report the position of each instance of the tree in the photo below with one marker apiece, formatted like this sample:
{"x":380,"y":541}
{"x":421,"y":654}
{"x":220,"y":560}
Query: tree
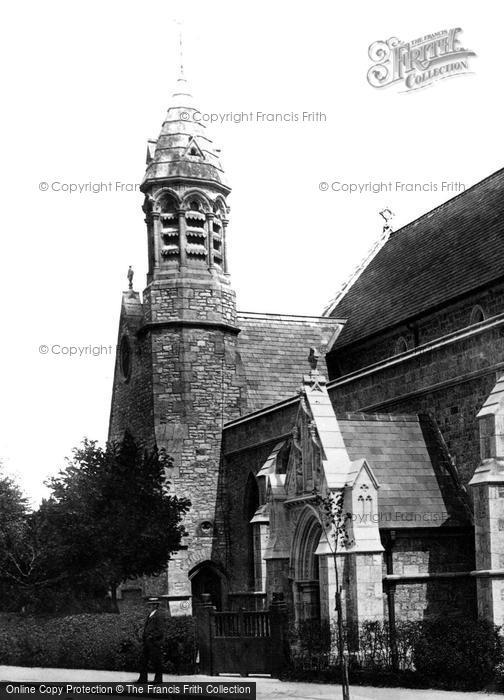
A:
{"x":113,"y":514}
{"x":13,"y":519}
{"x":32,"y":573}
{"x":333,"y":520}
{"x":13,"y":511}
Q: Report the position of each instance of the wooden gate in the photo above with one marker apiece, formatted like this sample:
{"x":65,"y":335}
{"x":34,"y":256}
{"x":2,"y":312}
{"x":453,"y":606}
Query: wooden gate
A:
{"x":244,"y":642}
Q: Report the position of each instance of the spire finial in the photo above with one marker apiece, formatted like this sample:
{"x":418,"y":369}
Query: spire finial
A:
{"x":180,"y":50}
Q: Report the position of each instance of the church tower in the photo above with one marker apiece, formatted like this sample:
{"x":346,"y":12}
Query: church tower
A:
{"x":183,"y":337}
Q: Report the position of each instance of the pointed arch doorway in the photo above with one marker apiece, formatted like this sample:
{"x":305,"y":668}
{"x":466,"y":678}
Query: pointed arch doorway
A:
{"x":306,"y":567}
{"x":206,"y":578}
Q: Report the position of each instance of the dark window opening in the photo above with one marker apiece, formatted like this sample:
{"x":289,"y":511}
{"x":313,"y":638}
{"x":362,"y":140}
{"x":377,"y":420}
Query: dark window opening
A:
{"x":194,"y":238}
{"x":401,"y":345}
{"x":194,"y":222}
{"x":125,"y":357}
{"x":251,"y":505}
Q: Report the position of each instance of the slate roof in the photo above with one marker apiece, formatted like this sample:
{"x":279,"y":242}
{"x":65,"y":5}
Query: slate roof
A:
{"x":418,"y":487}
{"x":274,"y":350}
{"x":444,"y":254}
{"x":169,"y":158}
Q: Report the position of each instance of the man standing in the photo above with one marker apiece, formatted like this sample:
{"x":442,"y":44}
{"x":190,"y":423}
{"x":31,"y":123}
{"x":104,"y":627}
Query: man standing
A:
{"x":153,"y":638}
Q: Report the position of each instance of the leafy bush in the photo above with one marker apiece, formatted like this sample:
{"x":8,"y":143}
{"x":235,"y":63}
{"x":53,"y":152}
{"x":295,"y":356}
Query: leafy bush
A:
{"x":312,"y":642}
{"x":93,"y":641}
{"x":314,"y":645}
{"x":450,"y":653}
{"x":499,"y":677}
{"x":458,"y":652}
{"x":375,"y":644}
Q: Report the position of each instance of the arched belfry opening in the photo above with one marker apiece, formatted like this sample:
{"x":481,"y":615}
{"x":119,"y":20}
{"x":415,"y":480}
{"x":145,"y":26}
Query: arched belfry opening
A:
{"x":206,"y":578}
{"x":250,"y":507}
{"x":305,"y":566}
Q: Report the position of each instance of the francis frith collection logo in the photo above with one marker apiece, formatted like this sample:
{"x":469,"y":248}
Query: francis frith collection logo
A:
{"x":418,"y":63}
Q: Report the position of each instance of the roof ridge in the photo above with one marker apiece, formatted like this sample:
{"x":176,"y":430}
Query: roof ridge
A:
{"x":358,"y":270}
{"x":384,"y":417}
{"x":446,"y":202}
{"x":280,"y":316}
{"x":380,"y":244}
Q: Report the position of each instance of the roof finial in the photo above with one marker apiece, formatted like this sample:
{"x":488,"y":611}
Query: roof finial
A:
{"x":387,"y":214}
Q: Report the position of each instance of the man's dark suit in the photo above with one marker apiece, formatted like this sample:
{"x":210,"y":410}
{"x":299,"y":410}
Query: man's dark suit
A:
{"x":153,"y":637}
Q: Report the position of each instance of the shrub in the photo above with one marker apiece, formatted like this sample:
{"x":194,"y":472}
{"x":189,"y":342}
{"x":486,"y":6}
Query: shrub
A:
{"x":375,"y":644}
{"x":313,"y":644}
{"x":458,"y":652}
{"x":499,"y":677}
{"x":103,"y":641}
{"x":450,"y":653}
{"x":180,"y":645}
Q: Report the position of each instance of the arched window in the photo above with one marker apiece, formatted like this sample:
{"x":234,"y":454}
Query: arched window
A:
{"x":251,"y":506}
{"x":195,"y":205}
{"x":477,"y":314}
{"x":401,"y":345}
{"x":196,"y":235}
{"x":169,"y":228}
{"x":218,"y":233}
{"x":125,"y":358}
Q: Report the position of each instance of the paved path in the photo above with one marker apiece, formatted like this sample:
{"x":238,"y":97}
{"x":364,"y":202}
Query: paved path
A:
{"x":267,"y":688}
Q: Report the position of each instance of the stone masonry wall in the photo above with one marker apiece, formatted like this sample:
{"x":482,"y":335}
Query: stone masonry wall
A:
{"x":184,"y":297}
{"x":431,"y":554}
{"x":195,"y":389}
{"x":450,"y":383}
{"x":246,"y":446}
{"x":435,"y":598}
{"x":415,"y":553}
{"x":435,"y":325}
{"x":132,"y":405}
{"x":198,"y":385}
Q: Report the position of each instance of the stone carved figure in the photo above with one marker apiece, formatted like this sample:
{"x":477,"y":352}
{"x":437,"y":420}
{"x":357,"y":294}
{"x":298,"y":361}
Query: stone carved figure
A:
{"x":313,"y":358}
{"x":130,"y":277}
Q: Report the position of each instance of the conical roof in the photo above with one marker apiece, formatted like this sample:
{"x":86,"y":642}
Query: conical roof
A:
{"x":183,"y":149}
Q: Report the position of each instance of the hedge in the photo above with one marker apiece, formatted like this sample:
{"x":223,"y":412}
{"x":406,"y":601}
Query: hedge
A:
{"x":104,"y":641}
{"x":446,"y":653}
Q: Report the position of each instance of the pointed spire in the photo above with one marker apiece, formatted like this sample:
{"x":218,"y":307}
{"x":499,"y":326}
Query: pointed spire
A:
{"x":183,"y":149}
{"x":182,"y":88}
{"x":181,"y":52}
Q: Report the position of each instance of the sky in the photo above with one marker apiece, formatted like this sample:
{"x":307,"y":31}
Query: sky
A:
{"x":87,"y":83}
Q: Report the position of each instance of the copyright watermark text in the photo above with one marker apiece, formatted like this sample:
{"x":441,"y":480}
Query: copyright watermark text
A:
{"x":93,"y":187}
{"x":254,"y":117}
{"x":61,"y":350}
{"x":399,"y":186}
